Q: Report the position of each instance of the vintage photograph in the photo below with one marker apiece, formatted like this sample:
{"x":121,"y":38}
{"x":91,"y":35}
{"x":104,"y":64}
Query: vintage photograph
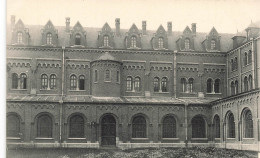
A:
{"x":133,"y":79}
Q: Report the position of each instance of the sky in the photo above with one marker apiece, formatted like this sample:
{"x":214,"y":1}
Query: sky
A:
{"x":227,"y":16}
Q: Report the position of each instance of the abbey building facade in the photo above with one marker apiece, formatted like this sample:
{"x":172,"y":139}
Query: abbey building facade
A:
{"x":74,"y":86}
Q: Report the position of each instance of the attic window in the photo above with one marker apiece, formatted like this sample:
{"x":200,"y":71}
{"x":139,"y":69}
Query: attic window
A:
{"x":49,"y":38}
{"x":133,"y":41}
{"x":213,"y":45}
{"x":77,"y":39}
{"x":19,"y":37}
{"x":160,"y":43}
{"x":106,"y":41}
{"x":187,"y":44}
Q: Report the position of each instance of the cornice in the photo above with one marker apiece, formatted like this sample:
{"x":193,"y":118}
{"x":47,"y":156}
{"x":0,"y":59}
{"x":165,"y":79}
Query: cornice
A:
{"x":196,"y":53}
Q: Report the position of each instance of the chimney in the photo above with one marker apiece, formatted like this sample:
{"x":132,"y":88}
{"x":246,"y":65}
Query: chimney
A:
{"x":169,"y":26}
{"x":117,"y":21}
{"x":67,"y":24}
{"x":144,"y":27}
{"x":193,"y":28}
{"x":12,"y":21}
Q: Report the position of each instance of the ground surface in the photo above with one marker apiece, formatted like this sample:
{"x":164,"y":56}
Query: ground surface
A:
{"x":132,"y":153}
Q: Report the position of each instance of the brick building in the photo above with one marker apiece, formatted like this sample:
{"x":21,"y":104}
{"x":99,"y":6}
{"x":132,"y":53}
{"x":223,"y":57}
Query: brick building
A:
{"x":74,"y":86}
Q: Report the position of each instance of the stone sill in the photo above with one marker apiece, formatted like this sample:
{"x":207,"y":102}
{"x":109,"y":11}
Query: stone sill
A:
{"x":44,"y":138}
{"x":214,"y":93}
{"x":247,"y":65}
{"x":13,"y":138}
{"x":77,"y":90}
{"x":48,"y":89}
{"x":199,"y":138}
{"x":139,"y":138}
{"x":188,"y":92}
{"x":108,"y":81}
{"x":77,"y":138}
{"x":217,"y":138}
{"x":161,"y":92}
{"x":19,"y":89}
{"x":133,"y":91}
{"x":170,"y":138}
{"x":231,"y":138}
{"x":248,"y":138}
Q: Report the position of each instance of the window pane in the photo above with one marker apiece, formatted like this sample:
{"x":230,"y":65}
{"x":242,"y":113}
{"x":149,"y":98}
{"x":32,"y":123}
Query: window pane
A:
{"x":129,"y":84}
{"x":76,"y":127}
{"x":209,"y":86}
{"x":44,"y":81}
{"x":44,"y":126}
{"x":14,"y":81}
{"x":169,"y":127}
{"x":53,"y":81}
{"x":198,"y":127}
{"x":139,"y":127}
{"x":81,"y":82}
{"x":217,"y":86}
{"x":23,"y":80}
{"x":137,"y":84}
{"x":13,"y":126}
{"x":77,"y":39}
{"x":164,"y":84}
{"x":73,"y":82}
{"x":248,"y":125}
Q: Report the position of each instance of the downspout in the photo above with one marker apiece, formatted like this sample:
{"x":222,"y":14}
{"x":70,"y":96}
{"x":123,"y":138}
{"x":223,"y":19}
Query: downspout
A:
{"x":253,"y":65}
{"x":62,"y":94}
{"x":186,"y":124}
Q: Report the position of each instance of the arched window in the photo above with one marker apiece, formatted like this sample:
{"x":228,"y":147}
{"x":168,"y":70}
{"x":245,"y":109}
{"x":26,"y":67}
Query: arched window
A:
{"x":95,"y":76}
{"x":13,"y":126}
{"x":73,"y":82}
{"x":23,"y":81}
{"x":76,"y":127}
{"x":160,"y":43}
{"x":156,"y":84}
{"x":137,"y":84}
{"x":169,"y":127}
{"x":250,"y":82}
{"x":117,"y":76}
{"x":235,"y":63}
{"x":233,"y":90}
{"x":53,"y":81}
{"x":44,"y":81}
{"x":248,"y":124}
{"x":232,"y":64}
{"x":231,"y":126}
{"x":209,"y":86}
{"x":183,"y":83}
{"x":44,"y":126}
{"x":246,"y":59}
{"x":187,"y":44}
{"x":107,"y":75}
{"x":236,"y":87}
{"x":164,"y":84}
{"x":245,"y":84}
{"x":139,"y":127}
{"x":77,"y":39}
{"x":198,"y":127}
{"x":217,"y":86}
{"x":106,"y":42}
{"x":216,"y":123}
{"x":49,"y":38}
{"x":19,"y":37}
{"x":133,"y":41}
{"x":81,"y":82}
{"x":129,"y":83}
{"x":213,"y":45}
{"x":14,"y":81}
{"x":190,"y":85}
{"x":249,"y":57}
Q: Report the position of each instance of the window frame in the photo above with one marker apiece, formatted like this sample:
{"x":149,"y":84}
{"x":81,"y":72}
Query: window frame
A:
{"x":187,"y":43}
{"x":129,"y":83}
{"x":73,"y":82}
{"x":107,"y":76}
{"x":44,"y":81}
{"x":231,"y":127}
{"x":49,"y":38}
{"x":133,"y":41}
{"x":213,"y":44}
{"x":81,"y":81}
{"x":19,"y":37}
{"x":164,"y":84}
{"x":15,"y":81}
{"x":53,"y":81}
{"x":105,"y":41}
{"x":49,"y":127}
{"x":156,"y":84}
{"x":165,"y":127}
{"x":79,"y":130}
{"x":160,"y":43}
{"x":137,"y":84}
{"x":138,"y":127}
{"x":78,"y":39}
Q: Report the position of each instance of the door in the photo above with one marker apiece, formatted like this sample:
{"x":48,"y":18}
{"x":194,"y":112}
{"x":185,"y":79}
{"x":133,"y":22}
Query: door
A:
{"x":108,"y":131}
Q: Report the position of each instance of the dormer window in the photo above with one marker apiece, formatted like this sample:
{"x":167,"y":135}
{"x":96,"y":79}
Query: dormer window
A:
{"x":19,"y":37}
{"x":133,"y":41}
{"x":213,"y":45}
{"x":77,"y":39}
{"x":106,"y":41}
{"x":49,"y":38}
{"x":160,"y":43}
{"x":187,"y":44}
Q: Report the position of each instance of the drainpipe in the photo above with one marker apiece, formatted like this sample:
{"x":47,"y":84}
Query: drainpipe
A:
{"x":62,"y":94}
{"x":253,"y":65}
{"x":186,"y":124}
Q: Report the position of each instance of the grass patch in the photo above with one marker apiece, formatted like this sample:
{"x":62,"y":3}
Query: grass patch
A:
{"x":195,"y":152}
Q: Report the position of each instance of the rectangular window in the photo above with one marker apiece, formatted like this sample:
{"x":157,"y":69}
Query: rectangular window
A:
{"x":117,"y":76}
{"x":95,"y":76}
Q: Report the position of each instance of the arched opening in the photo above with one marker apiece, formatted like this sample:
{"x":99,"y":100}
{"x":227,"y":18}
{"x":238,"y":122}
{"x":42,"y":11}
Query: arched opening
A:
{"x":76,"y":127}
{"x":156,"y":84}
{"x":231,"y":126}
{"x":14,"y":81}
{"x":160,"y":43}
{"x":217,"y":86}
{"x":13,"y":125}
{"x":198,"y":127}
{"x":169,"y":127}
{"x":183,"y":84}
{"x":137,"y":84}
{"x":209,"y":86}
{"x":108,"y":131}
{"x":164,"y":84}
{"x":216,"y":124}
{"x":139,"y":127}
{"x":44,"y":126}
{"x":248,"y":124}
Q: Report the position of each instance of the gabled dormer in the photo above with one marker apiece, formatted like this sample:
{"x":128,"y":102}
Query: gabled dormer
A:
{"x":105,"y":37}
{"x":252,"y":31}
{"x":49,"y":35}
{"x":20,"y":34}
{"x":78,"y":36}
{"x":133,"y":38}
{"x":212,"y":41}
{"x":186,"y":41}
{"x":160,"y":39}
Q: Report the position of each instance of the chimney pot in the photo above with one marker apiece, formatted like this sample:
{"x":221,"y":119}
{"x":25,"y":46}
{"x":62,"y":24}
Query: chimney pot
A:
{"x":193,"y":28}
{"x":169,"y":26}
{"x":144,"y":27}
{"x":117,"y":23}
{"x":67,"y":24}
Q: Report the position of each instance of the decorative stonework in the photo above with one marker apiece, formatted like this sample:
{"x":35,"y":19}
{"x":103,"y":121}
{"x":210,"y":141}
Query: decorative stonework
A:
{"x":147,"y":108}
{"x":77,"y":107}
{"x":171,"y":108}
{"x":15,"y":106}
{"x":108,"y":107}
{"x":43,"y":106}
{"x":200,"y":109}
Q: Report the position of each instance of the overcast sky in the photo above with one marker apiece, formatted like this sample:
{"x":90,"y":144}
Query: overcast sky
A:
{"x":227,"y":16}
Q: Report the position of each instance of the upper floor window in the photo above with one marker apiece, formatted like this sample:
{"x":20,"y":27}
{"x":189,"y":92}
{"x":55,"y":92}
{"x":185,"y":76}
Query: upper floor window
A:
{"x":129,"y":86}
{"x":14,"y":81}
{"x":245,"y":84}
{"x":133,"y":41}
{"x":232,"y":85}
{"x":190,"y":86}
{"x":164,"y":84}
{"x":77,"y":39}
{"x":81,"y":82}
{"x":73,"y":82}
{"x":106,"y":41}
{"x":250,"y":82}
{"x":232,"y":64}
{"x":107,"y":75}
{"x":160,"y":42}
{"x":23,"y":81}
{"x":187,"y":43}
{"x":236,"y":87}
{"x":156,"y":84}
{"x":95,"y":76}
{"x":183,"y":84}
{"x":245,"y":59}
{"x":49,"y":38}
{"x":117,"y":76}
{"x":249,"y":57}
{"x":209,"y":86}
{"x":217,"y":86}
{"x":19,"y":37}
{"x":44,"y":81}
{"x":213,"y":45}
{"x":52,"y":81}
{"x":137,"y":84}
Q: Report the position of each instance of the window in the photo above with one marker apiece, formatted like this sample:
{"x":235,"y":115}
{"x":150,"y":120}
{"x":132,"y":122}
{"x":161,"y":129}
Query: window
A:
{"x":198,"y":127}
{"x":106,"y":42}
{"x":233,"y":90}
{"x":76,"y":127}
{"x":156,"y":85}
{"x":235,"y":64}
{"x":81,"y":82}
{"x":73,"y":82}
{"x":19,"y":37}
{"x":77,"y":39}
{"x":23,"y":81}
{"x":95,"y":76}
{"x":231,"y":126}
{"x":246,"y":59}
{"x":44,"y":81}
{"x":213,"y":45}
{"x":137,"y":84}
{"x":190,"y":86}
{"x":44,"y":126}
{"x":169,"y":127}
{"x":249,"y":57}
{"x":13,"y":125}
{"x":160,"y":43}
{"x":107,"y":75}
{"x":139,"y":127}
{"x":164,"y":84}
{"x":129,"y":83}
{"x":187,"y":44}
{"x":232,"y":64}
{"x":117,"y":76}
{"x":245,"y":84}
{"x":217,"y":86}
{"x":216,"y":124}
{"x":236,"y":87}
{"x":250,"y":82}
{"x":52,"y":81}
{"x":14,"y":81}
{"x":49,"y":38}
{"x":133,"y":41}
{"x":183,"y":83}
{"x":209,"y":86}
{"x":248,"y":124}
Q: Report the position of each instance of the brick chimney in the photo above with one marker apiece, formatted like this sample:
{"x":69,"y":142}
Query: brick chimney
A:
{"x":67,"y":24}
{"x":144,"y":27}
{"x":169,"y":26}
{"x":193,"y":28}
{"x":12,"y":21}
{"x":117,"y":23}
